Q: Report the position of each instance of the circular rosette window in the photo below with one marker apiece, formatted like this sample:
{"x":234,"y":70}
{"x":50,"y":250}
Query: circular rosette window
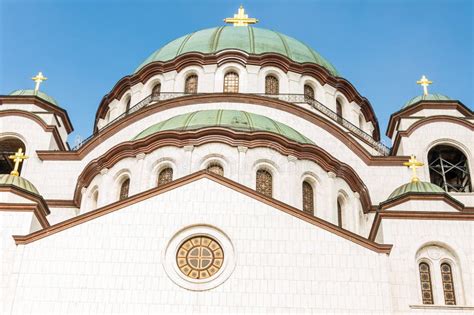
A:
{"x":199,"y":258}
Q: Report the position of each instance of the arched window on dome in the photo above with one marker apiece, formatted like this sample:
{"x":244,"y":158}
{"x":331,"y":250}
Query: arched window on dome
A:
{"x":308,"y":198}
{"x":94,"y":200}
{"x":9,"y":146}
{"x":448,"y":285}
{"x":165,"y":176}
{"x":272,"y":86}
{"x":361,"y":121}
{"x":308,"y":93}
{"x":124,"y":189}
{"x":155,"y":92}
{"x":231,"y":82}
{"x":339,"y":110}
{"x":216,"y":168}
{"x":449,"y":169}
{"x":340,"y":211}
{"x":425,"y":282}
{"x":127,"y":106}
{"x":264,"y":182}
{"x":191,"y":84}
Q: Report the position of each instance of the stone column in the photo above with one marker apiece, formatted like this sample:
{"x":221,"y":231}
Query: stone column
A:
{"x":188,"y":149}
{"x":106,"y":188}
{"x":241,"y":178}
{"x":85,"y":201}
{"x":138,"y":178}
{"x":292,"y":181}
{"x":331,"y":202}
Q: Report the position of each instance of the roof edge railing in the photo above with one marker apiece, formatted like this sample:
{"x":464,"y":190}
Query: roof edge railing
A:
{"x":291,"y":98}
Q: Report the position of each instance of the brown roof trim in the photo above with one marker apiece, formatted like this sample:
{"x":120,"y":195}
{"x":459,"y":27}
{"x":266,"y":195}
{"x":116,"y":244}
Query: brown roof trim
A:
{"x":22,"y":99}
{"x":416,"y":215}
{"x":406,"y":112}
{"x":269,"y":59}
{"x":59,"y":203}
{"x":40,"y":208}
{"x":39,"y":121}
{"x":456,"y":204}
{"x":231,"y":138}
{"x":379,"y":248}
{"x":335,"y":130}
{"x":429,"y":120}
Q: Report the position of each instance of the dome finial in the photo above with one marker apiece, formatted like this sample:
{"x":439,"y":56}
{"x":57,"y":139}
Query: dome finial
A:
{"x":38,"y":79}
{"x":424,"y":82}
{"x":413,"y":164}
{"x":17,"y":158}
{"x":241,"y":19}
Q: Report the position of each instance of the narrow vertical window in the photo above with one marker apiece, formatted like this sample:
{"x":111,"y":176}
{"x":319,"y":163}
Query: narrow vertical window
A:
{"x":361,"y":121}
{"x":271,"y":85}
{"x":339,"y":111}
{"x":231,"y":82}
{"x":156,"y":90}
{"x":264,"y":183}
{"x":308,"y":198}
{"x":124,"y":188}
{"x":216,"y":169}
{"x":95,"y":200}
{"x":127,"y":108}
{"x":308,"y":93}
{"x":448,"y":285}
{"x":425,"y":281}
{"x":165,"y":176}
{"x":191,"y":84}
{"x":339,"y":212}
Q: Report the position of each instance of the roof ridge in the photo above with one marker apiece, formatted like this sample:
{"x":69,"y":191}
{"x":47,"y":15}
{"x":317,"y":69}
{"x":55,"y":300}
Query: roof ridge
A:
{"x":251,"y":39}
{"x":215,"y":38}
{"x":285,"y":44}
{"x":181,"y":47}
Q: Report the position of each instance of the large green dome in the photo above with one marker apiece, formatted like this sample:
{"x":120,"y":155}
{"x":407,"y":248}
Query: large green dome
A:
{"x":249,"y":39}
{"x":231,"y":119}
{"x":39,"y":94}
{"x":416,"y":188}
{"x":429,"y":97}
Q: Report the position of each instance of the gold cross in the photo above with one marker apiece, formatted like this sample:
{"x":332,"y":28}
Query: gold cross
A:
{"x":424,"y":82}
{"x":413,"y":164}
{"x":241,"y":19}
{"x":38,"y":79}
{"x":17,"y":158}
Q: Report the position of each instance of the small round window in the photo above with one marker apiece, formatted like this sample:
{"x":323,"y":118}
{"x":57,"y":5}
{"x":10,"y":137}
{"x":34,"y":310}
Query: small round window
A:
{"x":200,"y":257}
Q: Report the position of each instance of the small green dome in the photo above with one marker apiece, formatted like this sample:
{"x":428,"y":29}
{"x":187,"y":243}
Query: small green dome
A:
{"x":429,"y":97}
{"x":39,"y":94}
{"x":231,"y":119}
{"x":249,"y":39}
{"x":416,"y":187}
{"x":20,"y":182}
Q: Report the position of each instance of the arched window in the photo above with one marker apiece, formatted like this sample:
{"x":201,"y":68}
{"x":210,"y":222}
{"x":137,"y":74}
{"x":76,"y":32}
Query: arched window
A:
{"x":231,"y":82}
{"x":165,"y":176}
{"x":264,"y":183}
{"x":156,"y":90}
{"x":216,"y":169}
{"x":340,"y":217}
{"x":127,"y":108}
{"x":425,"y":281}
{"x":124,"y":188}
{"x":9,"y":146}
{"x":191,"y":84}
{"x":308,"y":93}
{"x":448,"y":285}
{"x":449,"y":169}
{"x":271,"y":85}
{"x":94,"y":199}
{"x":339,"y":111}
{"x":361,"y":121}
{"x":308,"y":198}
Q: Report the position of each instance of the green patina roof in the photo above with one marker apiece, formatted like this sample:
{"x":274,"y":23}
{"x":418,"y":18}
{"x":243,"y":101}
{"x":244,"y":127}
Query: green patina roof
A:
{"x":246,"y":38}
{"x":232,"y":119}
{"x":10,"y":180}
{"x":429,"y":97}
{"x":40,"y":94}
{"x":416,"y":187}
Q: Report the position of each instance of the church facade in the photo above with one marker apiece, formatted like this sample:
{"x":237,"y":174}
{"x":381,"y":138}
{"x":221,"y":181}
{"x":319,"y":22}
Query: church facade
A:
{"x":236,"y":171}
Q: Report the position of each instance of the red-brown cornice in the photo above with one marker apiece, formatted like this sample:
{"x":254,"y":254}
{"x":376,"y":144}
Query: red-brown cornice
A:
{"x":429,"y":120}
{"x":269,"y":59}
{"x":421,"y":105}
{"x":39,"y":121}
{"x":313,"y":118}
{"x":229,"y":137}
{"x":357,"y":239}
{"x":31,"y":99}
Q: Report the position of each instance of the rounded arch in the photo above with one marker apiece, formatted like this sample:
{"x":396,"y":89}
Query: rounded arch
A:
{"x":9,"y":144}
{"x":342,"y":203}
{"x":185,"y":74}
{"x":225,"y":69}
{"x":157,"y":167}
{"x":280,"y":76}
{"x":449,"y":167}
{"x":151,"y":83}
{"x":215,"y":159}
{"x":122,"y":184}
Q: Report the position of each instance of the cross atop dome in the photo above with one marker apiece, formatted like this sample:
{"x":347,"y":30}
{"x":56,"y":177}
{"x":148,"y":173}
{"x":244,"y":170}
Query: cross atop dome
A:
{"x":39,"y":78}
{"x":241,"y":19}
{"x":413,"y":163}
{"x":424,"y":82}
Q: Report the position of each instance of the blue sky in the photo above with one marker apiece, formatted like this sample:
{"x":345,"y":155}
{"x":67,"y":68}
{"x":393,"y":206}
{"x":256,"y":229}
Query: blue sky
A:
{"x":381,"y":47}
